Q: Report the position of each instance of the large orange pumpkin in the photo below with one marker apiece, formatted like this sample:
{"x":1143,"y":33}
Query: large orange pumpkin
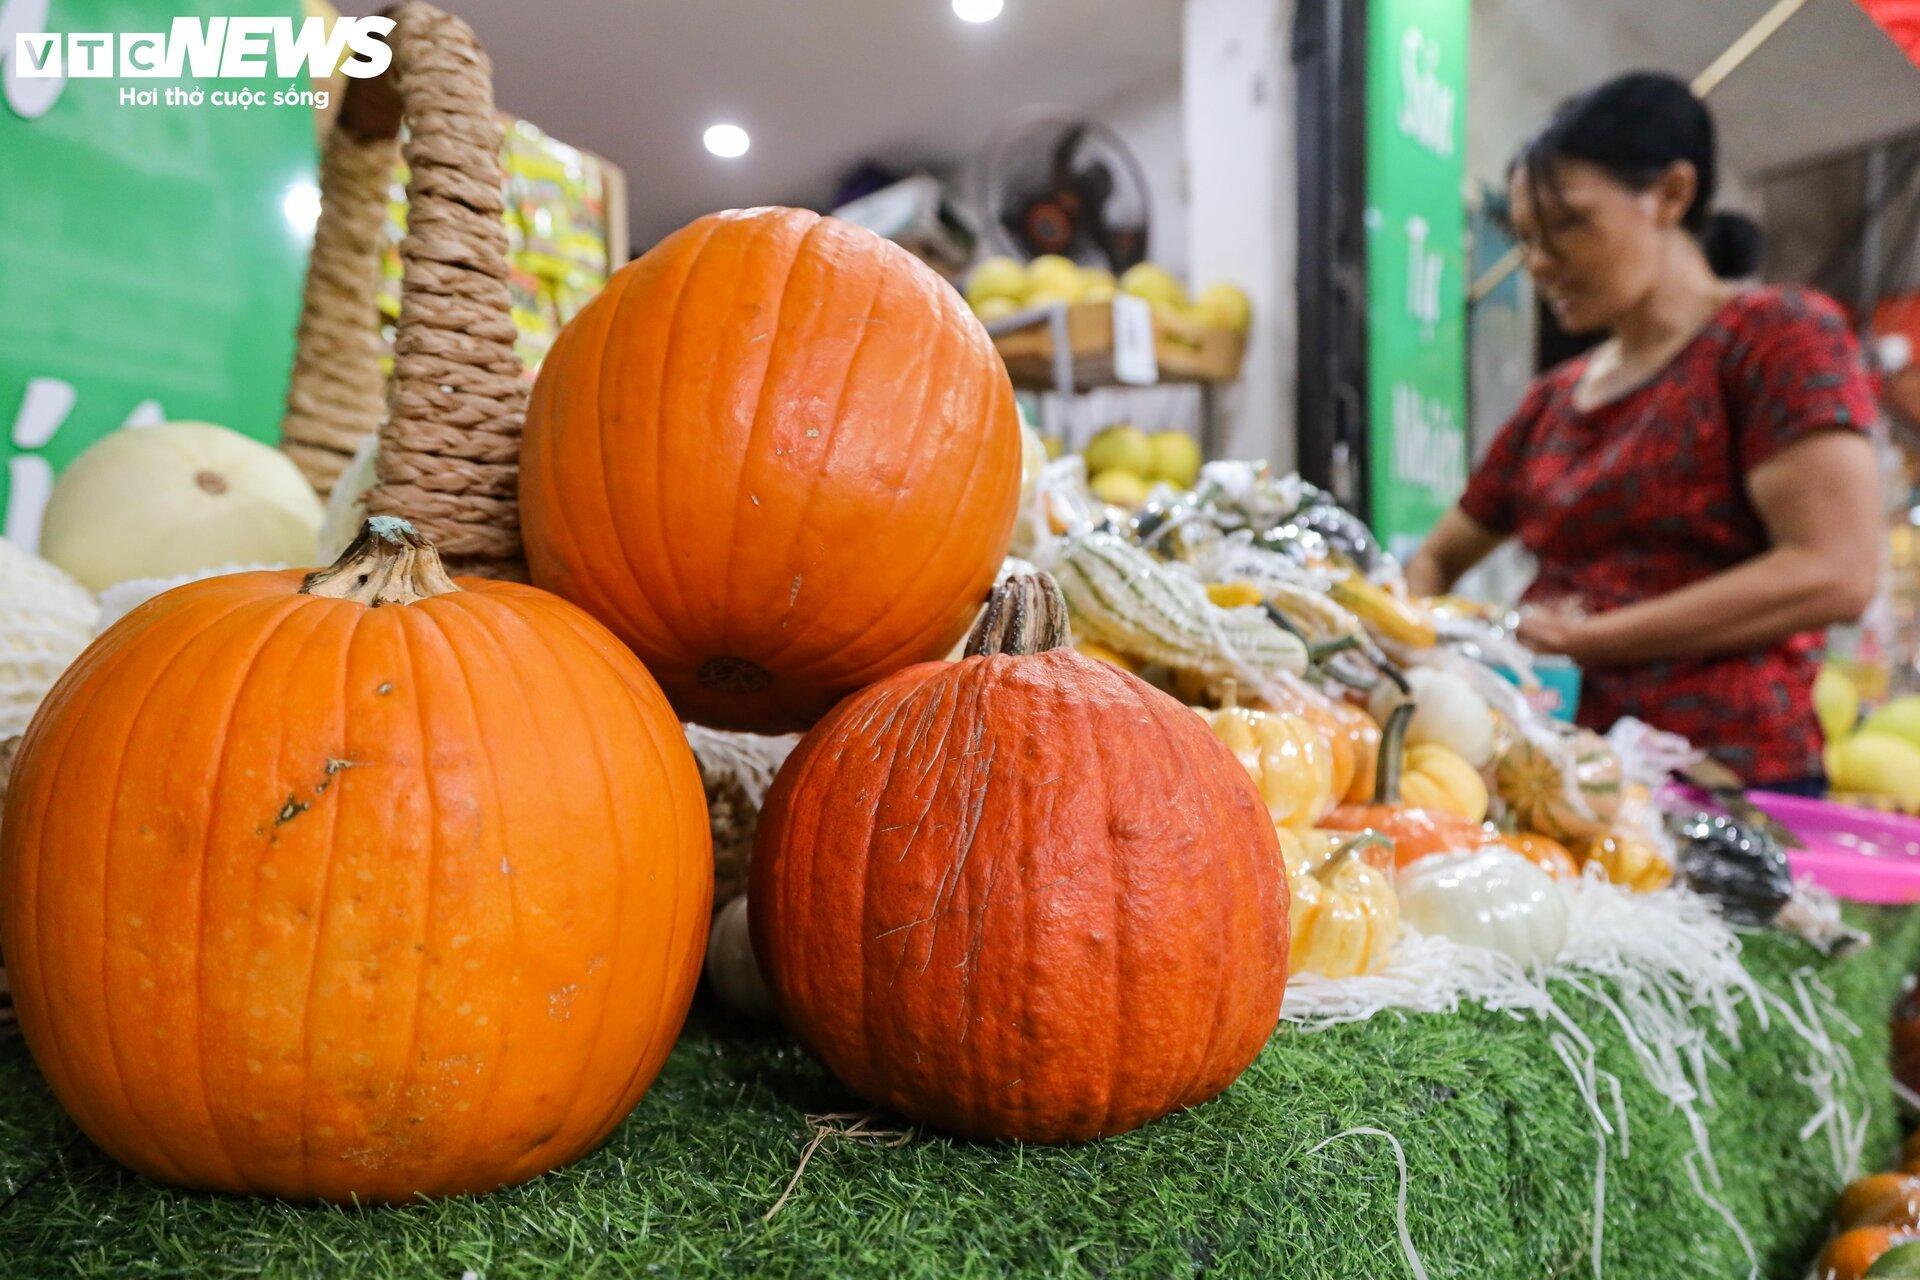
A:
{"x":1024,"y":895}
{"x":377,"y":887}
{"x":779,"y":457}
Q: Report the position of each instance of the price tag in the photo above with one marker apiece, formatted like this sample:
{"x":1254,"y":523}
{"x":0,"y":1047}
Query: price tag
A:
{"x":1133,"y":360}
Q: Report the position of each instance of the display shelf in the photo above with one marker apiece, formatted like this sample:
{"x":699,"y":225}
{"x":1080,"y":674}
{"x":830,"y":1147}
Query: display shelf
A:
{"x":1500,"y":1148}
{"x":1067,"y":349}
{"x":1184,"y":351}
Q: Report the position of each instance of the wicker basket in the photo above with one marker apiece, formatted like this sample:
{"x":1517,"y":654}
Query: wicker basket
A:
{"x":450,"y":418}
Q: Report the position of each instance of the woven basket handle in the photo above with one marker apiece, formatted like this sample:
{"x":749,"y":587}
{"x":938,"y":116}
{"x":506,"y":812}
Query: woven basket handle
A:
{"x":450,"y":419}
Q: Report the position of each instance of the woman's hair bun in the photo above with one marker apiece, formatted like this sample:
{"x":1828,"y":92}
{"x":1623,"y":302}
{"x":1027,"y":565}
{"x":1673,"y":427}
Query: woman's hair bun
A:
{"x":1732,"y":242}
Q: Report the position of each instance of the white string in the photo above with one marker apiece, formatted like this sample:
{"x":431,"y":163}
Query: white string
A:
{"x":1400,"y":1202}
{"x":1733,"y":1223}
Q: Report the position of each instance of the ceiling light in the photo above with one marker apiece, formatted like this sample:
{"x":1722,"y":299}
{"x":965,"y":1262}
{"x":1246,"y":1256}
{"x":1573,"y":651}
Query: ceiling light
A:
{"x":978,"y":10}
{"x":728,"y":141}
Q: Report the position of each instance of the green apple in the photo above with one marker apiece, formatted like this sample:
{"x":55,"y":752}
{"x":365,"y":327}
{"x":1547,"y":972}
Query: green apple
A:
{"x":1120,"y":487}
{"x":1176,"y":458}
{"x":1154,"y":283}
{"x":996,"y":278}
{"x":1224,"y":306}
{"x":1901,"y":717}
{"x":1123,"y":448}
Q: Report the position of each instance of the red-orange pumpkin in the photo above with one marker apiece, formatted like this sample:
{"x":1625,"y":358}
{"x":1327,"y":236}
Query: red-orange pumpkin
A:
{"x":1025,"y":895}
{"x":779,"y":457}
{"x":310,"y":898}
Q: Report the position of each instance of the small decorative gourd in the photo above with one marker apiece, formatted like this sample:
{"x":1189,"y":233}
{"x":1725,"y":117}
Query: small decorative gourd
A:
{"x":1023,"y":895}
{"x":1435,"y":777}
{"x":1392,"y":616}
{"x":1629,"y":860}
{"x":161,"y":501}
{"x":731,"y":970}
{"x":46,"y":619}
{"x":1544,"y":852}
{"x":1855,"y":1254}
{"x":1490,"y":897}
{"x":1124,"y":598}
{"x":1286,"y":756}
{"x":1448,"y":711}
{"x":1363,"y":737}
{"x":1416,"y":832}
{"x":1345,"y":914}
{"x":1880,"y":1200}
{"x":1568,"y":788}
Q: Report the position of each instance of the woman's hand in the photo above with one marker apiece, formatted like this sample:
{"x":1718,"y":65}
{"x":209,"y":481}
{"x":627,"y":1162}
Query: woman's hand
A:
{"x":1554,"y":628}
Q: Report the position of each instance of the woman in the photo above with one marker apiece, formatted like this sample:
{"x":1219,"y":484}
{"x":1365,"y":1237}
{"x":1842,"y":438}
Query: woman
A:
{"x":1700,"y":490}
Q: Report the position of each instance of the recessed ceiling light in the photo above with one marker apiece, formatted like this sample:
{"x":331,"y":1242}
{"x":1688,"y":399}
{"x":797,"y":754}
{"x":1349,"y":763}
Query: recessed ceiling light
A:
{"x":978,"y":10}
{"x":728,"y":141}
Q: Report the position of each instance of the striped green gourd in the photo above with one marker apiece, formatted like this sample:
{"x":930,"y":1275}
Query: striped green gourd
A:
{"x":1122,"y":597}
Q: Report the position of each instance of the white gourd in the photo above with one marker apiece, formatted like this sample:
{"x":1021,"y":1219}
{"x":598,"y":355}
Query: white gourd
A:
{"x":731,"y":969}
{"x":1491,"y":898}
{"x":157,"y":502}
{"x":1447,"y":711}
{"x":46,"y":619}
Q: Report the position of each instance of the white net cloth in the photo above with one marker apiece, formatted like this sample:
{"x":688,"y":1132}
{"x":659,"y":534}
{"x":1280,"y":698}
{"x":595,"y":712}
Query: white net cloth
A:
{"x":46,"y":618}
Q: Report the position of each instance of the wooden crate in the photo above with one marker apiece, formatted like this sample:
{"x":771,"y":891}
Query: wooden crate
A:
{"x":1185,"y":350}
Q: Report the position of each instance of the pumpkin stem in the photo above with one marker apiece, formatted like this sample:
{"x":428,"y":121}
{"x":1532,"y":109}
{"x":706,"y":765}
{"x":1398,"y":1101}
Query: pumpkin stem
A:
{"x":389,"y":563}
{"x":1348,"y":848}
{"x":1026,"y":614}
{"x":1386,"y":774}
{"x":1318,"y":653}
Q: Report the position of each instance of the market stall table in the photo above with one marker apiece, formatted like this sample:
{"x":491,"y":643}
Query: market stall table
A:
{"x":1499,"y":1146}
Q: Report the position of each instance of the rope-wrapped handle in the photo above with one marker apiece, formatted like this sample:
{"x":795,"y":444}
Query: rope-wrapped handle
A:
{"x":450,"y":435}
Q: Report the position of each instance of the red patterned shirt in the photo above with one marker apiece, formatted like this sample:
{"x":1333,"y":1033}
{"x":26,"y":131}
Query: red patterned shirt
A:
{"x":1647,"y":493}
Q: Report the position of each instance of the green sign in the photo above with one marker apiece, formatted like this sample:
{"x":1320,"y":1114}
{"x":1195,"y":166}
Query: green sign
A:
{"x":1416,"y":263}
{"x":151,"y":251}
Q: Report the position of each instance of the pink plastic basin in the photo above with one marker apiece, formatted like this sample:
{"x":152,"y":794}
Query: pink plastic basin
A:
{"x":1861,"y":855}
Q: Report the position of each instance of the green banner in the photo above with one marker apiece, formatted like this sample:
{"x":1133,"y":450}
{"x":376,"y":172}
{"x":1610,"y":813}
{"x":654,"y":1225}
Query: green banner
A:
{"x":1416,"y":263}
{"x":151,"y":251}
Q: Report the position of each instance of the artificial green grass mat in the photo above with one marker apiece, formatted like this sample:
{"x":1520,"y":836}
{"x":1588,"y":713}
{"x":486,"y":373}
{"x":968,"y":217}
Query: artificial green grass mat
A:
{"x":1501,"y":1150}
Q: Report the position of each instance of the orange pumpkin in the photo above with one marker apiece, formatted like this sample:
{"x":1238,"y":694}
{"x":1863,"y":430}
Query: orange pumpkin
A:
{"x":1544,"y":852}
{"x":1023,"y":895}
{"x":369,"y":886}
{"x":1416,"y":833}
{"x":779,"y":457}
{"x":1880,"y":1200}
{"x":1849,"y":1255}
{"x":1363,"y":735}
